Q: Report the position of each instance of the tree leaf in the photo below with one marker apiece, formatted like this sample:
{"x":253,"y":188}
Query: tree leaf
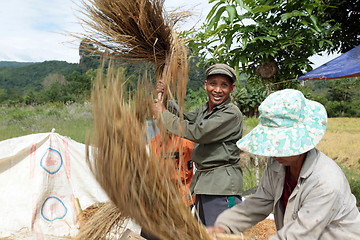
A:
{"x":295,"y":13}
{"x":314,"y":20}
{"x":263,"y":8}
{"x":309,"y":8}
{"x":214,"y":21}
{"x":212,"y":11}
{"x":231,"y":10}
{"x":243,"y":5}
{"x":304,"y":22}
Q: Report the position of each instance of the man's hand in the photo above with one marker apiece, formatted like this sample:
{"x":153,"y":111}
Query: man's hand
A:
{"x":157,"y":108}
{"x":160,"y":86}
{"x":212,"y":230}
{"x":218,"y":233}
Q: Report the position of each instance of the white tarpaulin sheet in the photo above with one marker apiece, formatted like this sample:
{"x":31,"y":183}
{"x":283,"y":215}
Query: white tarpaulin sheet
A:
{"x":40,"y":175}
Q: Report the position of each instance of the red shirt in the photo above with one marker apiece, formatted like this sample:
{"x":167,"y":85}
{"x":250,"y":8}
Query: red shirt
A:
{"x":184,"y":166}
{"x":289,"y":186}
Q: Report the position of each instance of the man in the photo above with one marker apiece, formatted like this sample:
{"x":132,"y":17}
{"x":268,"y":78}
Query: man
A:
{"x":306,"y":190}
{"x":214,"y":128}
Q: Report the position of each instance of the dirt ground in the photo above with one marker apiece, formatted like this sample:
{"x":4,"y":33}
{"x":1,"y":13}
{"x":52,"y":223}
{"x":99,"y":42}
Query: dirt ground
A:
{"x":261,"y":231}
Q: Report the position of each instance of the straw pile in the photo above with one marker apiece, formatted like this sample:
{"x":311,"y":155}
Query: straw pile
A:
{"x":98,"y":227}
{"x":86,"y":214}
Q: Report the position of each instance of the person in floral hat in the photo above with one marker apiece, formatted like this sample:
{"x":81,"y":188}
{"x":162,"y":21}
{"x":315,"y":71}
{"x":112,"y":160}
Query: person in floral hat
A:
{"x":306,"y":190}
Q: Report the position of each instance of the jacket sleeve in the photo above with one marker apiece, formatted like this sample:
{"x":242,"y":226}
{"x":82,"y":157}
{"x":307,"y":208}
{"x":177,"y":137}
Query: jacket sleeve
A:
{"x":216,"y":128}
{"x":190,"y":116}
{"x":254,"y":209}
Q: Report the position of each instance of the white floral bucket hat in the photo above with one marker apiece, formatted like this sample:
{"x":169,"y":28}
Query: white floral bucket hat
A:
{"x":289,"y":124}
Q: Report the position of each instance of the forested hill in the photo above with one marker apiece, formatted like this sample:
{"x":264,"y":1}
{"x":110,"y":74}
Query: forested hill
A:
{"x":15,"y":75}
{"x":4,"y":64}
{"x":60,"y":81}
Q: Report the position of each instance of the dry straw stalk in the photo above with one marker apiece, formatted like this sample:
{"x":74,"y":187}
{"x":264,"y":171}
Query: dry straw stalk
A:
{"x":140,"y":30}
{"x":137,"y":182}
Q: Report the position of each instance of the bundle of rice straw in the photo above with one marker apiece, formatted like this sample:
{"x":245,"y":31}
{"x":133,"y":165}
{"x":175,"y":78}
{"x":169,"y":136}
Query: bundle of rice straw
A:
{"x":140,"y":30}
{"x":137,"y":182}
{"x":96,"y":227}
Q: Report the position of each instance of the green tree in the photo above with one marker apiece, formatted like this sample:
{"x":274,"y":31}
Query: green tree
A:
{"x":196,"y":73}
{"x":269,"y":40}
{"x":195,"y":99}
{"x":53,"y":78}
{"x":341,"y":90}
{"x":30,"y":98}
{"x":346,"y":15}
{"x":340,"y":94}
{"x":248,"y":99}
{"x":3,"y":95}
{"x":89,"y":55}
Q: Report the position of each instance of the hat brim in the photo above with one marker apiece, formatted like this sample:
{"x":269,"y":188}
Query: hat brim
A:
{"x":283,"y":142}
{"x":223,"y":72}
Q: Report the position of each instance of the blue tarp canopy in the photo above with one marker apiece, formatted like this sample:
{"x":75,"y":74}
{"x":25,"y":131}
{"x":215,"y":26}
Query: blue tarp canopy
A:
{"x":344,"y":66}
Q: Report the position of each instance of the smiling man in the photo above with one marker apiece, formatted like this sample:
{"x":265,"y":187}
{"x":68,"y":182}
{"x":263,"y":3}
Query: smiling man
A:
{"x":218,"y":87}
{"x":214,"y":128}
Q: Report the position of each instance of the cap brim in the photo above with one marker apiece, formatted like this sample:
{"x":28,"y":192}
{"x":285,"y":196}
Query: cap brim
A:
{"x":222,"y":72}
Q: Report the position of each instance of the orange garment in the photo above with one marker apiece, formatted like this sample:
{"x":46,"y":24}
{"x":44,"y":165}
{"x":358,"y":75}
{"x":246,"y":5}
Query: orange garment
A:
{"x":184,"y":165}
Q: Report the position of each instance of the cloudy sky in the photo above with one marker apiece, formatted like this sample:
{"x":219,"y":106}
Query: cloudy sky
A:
{"x":36,"y":30}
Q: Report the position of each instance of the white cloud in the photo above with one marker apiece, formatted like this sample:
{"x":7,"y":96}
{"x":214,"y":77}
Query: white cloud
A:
{"x":198,"y":8}
{"x":35,"y":30}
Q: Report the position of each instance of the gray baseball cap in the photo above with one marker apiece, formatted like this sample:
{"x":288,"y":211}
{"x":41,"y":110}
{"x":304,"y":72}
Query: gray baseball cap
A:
{"x":220,"y":68}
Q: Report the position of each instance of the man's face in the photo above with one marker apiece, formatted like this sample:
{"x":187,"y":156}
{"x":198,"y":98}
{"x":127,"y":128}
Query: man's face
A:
{"x":218,"y":88}
{"x":290,"y":161}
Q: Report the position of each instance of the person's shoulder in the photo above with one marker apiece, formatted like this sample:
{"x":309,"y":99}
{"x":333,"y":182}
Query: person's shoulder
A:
{"x":328,"y":163}
{"x":233,"y":109}
{"x":329,"y":175}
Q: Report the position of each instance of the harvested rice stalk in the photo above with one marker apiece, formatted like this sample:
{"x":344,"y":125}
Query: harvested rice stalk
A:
{"x":140,"y":30}
{"x":95,"y":228}
{"x":134,"y":30}
{"x":137,"y":182}
{"x":84,"y":216}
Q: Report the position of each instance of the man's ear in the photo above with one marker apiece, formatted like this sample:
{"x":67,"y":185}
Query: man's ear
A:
{"x":205,"y":84}
{"x":233,"y":87}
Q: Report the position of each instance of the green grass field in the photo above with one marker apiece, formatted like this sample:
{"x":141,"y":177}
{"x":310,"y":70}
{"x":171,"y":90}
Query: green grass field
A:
{"x":73,"y":121}
{"x":341,"y":141}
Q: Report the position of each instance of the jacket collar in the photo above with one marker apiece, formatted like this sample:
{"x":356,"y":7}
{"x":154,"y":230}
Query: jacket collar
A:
{"x":275,"y":166}
{"x":206,"y":105}
{"x":307,"y":167}
{"x":309,"y":163}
